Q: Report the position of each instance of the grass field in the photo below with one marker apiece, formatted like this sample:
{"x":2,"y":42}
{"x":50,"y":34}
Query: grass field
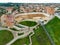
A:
{"x":22,"y":41}
{"x":39,"y":38}
{"x":53,"y":27}
{"x":28,"y":23}
{"x":5,"y":37}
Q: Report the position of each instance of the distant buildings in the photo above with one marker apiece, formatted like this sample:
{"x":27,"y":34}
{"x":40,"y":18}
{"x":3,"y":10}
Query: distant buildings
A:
{"x":8,"y":20}
{"x":38,"y":8}
{"x":33,"y":8}
{"x":50,"y":10}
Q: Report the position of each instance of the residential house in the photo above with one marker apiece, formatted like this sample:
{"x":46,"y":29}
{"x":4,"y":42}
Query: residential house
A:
{"x":7,"y":20}
{"x":50,"y":10}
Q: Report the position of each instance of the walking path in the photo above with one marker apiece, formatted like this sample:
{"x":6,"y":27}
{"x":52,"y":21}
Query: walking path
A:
{"x":57,"y":15}
{"x":26,"y":33}
{"x":32,"y":13}
{"x":52,"y":42}
{"x":16,"y":37}
{"x":30,"y":37}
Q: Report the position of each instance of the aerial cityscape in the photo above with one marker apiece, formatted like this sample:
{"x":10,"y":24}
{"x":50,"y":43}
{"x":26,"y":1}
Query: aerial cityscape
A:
{"x":29,"y":24}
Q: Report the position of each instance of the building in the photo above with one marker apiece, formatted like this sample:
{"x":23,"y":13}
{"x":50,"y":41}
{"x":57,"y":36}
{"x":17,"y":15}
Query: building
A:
{"x":49,"y":10}
{"x":7,"y":20}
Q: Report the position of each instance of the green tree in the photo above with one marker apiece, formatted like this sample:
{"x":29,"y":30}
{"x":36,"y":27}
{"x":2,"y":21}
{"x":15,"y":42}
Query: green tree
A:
{"x":2,"y":11}
{"x":16,"y":7}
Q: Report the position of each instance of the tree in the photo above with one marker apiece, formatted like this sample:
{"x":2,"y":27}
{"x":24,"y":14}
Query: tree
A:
{"x":16,"y":7}
{"x":2,"y":11}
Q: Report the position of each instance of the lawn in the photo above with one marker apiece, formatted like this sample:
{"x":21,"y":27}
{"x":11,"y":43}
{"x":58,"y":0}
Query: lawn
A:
{"x":5,"y":37}
{"x":53,"y":28}
{"x":19,"y":26}
{"x":22,"y":41}
{"x":40,"y":37}
{"x":14,"y":29}
{"x":28,"y":23}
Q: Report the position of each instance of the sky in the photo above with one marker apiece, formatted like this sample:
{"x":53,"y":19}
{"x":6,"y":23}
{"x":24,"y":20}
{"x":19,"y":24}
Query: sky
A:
{"x":30,"y":1}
